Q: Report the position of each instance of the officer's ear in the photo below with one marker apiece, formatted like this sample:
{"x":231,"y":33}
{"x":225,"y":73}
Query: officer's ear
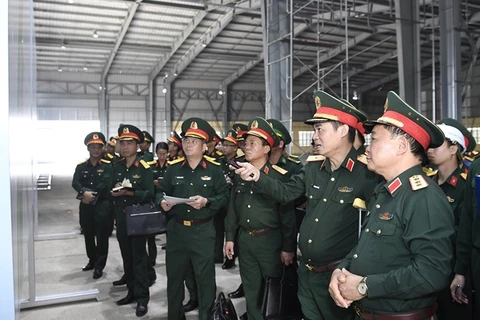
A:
{"x":402,"y":144}
{"x":281,"y":144}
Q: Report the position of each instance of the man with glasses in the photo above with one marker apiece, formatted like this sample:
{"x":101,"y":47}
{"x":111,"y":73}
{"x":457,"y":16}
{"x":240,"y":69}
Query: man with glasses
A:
{"x":190,"y":230}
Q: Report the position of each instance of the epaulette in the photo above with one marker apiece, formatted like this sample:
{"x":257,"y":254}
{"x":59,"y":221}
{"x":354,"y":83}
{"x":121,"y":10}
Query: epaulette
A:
{"x":417,"y":182}
{"x":240,"y":153}
{"x":429,"y":172}
{"x":463,"y":175}
{"x":152,"y":163}
{"x":315,"y":158}
{"x":472,"y":155}
{"x":211,"y":160}
{"x":294,"y":156}
{"x":83,"y":162}
{"x":105,"y":161}
{"x":144,"y":164}
{"x":294,"y":160}
{"x":118,"y":161}
{"x":362,"y":158}
{"x":110,"y":156}
{"x":219,"y":153}
{"x":279,"y":169}
{"x":178,"y":160}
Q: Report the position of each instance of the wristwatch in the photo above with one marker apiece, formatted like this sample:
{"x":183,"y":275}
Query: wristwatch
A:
{"x":362,"y":287}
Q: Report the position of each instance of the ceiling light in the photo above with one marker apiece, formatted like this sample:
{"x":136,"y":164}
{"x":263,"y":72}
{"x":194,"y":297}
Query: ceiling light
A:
{"x":175,"y":73}
{"x":63,"y":46}
{"x":164,"y":90}
{"x":355,"y":95}
{"x":220,"y":91}
{"x":60,"y":69}
{"x":95,"y":34}
{"x":204,"y":44}
{"x":100,"y":88}
{"x":85,"y":69}
{"x":166,"y":75}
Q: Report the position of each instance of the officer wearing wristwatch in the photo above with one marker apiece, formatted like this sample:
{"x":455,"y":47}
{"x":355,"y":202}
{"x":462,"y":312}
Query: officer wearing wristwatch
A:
{"x":362,"y":287}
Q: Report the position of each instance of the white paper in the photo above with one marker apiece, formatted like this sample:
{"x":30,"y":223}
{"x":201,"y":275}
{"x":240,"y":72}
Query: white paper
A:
{"x":177,"y":200}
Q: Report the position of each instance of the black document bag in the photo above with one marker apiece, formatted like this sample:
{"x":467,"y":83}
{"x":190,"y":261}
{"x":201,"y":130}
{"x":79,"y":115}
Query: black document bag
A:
{"x":280,"y":296}
{"x":223,"y":309}
{"x":145,"y":220}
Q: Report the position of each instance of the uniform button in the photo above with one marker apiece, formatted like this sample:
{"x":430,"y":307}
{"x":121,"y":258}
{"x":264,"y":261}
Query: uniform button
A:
{"x":127,"y":169}
{"x":341,"y":201}
{"x":316,"y":219}
{"x":91,"y":182}
{"x":377,"y":206}
{"x":332,"y":179}
{"x":324,"y":200}
{"x":238,"y":191}
{"x":311,"y":197}
{"x":248,"y":220}
{"x":204,"y":185}
{"x":355,"y":256}
{"x":309,"y":240}
{"x":309,"y":260}
{"x":379,"y":231}
{"x":251,"y":192}
{"x":368,"y":213}
{"x":367,"y":230}
{"x":248,"y":206}
{"x":188,"y":210}
{"x":191,"y":184}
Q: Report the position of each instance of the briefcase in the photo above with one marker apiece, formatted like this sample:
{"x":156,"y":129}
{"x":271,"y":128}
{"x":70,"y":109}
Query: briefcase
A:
{"x":145,"y":220}
{"x":280,"y":298}
{"x":223,"y":309}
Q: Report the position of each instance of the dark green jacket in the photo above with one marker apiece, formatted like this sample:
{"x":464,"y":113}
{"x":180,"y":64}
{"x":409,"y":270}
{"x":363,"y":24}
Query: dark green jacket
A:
{"x":330,"y":227}
{"x":405,"y":248}
{"x":157,"y":171}
{"x":145,"y":155}
{"x":206,"y":180}
{"x":250,"y":209}
{"x":468,"y":235}
{"x":95,"y":178}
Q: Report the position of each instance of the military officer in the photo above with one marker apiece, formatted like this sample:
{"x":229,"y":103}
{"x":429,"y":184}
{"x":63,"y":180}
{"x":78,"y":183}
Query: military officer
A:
{"x":144,"y":152}
{"x":92,"y":181}
{"x":110,"y":152}
{"x":403,"y":255}
{"x":241,"y":130}
{"x":191,"y":234}
{"x":359,"y":142}
{"x":174,"y":146}
{"x":138,"y":270}
{"x":266,"y":229}
{"x":331,"y":184}
{"x":451,"y":176}
{"x":212,"y":150}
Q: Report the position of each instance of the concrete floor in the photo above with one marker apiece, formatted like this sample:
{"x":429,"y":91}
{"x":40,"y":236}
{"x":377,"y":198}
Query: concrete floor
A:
{"x":58,"y":266}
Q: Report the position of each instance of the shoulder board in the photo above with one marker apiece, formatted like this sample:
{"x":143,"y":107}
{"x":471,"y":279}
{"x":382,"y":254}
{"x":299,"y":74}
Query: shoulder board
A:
{"x":472,"y":155}
{"x":83,"y":162}
{"x":463,"y":175}
{"x":152,"y":163}
{"x":219,"y":153}
{"x":278,"y":169}
{"x":211,"y":160}
{"x":144,"y":164}
{"x":294,"y":160}
{"x":362,"y":158}
{"x":429,"y":172}
{"x":105,"y":161}
{"x":315,"y":158}
{"x":417,"y":182}
{"x":175,"y":161}
{"x":109,"y":155}
{"x":294,"y":156}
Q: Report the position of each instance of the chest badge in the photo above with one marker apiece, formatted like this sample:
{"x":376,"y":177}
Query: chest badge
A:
{"x":206,"y":178}
{"x":136,"y":176}
{"x":450,"y":199}
{"x":345,"y":189}
{"x":100,"y":170}
{"x":385,"y":216}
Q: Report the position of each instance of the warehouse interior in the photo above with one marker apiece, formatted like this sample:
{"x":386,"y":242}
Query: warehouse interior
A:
{"x":75,"y":66}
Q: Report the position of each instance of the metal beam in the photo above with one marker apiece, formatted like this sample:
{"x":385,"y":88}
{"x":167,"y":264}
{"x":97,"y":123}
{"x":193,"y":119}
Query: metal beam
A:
{"x":250,"y":6}
{"x":200,"y":44}
{"x":332,"y":53}
{"x":121,"y":35}
{"x":180,"y":40}
{"x":352,"y":12}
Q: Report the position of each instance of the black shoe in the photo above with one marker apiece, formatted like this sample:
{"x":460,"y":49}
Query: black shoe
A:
{"x":228,"y":263}
{"x":120,"y":282}
{"x":237,"y":293}
{"x":190,"y":306}
{"x":244,"y":316}
{"x":89,"y":266}
{"x":97,"y":273}
{"x":127,"y":300}
{"x":142,"y":309}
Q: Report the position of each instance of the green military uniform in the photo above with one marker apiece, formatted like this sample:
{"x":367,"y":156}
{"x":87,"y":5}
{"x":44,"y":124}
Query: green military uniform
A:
{"x":147,"y":155}
{"x":405,"y":248}
{"x":265,"y":228}
{"x":468,"y":236}
{"x":94,"y":217}
{"x":330,"y":225}
{"x":111,"y":157}
{"x":138,"y":270}
{"x":191,"y":234}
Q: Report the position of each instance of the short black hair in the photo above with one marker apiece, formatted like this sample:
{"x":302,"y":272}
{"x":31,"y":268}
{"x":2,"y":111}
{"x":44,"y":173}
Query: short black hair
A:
{"x":415,"y":146}
{"x":161,"y":145}
{"x":351,"y":130}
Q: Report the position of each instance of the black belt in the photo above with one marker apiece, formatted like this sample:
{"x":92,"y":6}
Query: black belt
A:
{"x":425,"y":313}
{"x":323,"y":268}
{"x":191,"y":223}
{"x":259,"y":232}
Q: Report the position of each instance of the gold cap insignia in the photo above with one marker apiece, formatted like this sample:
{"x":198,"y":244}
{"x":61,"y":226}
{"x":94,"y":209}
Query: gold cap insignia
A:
{"x":318,"y":102}
{"x":385,"y":106}
{"x":238,"y":129}
{"x":254,"y":124}
{"x":193,"y":125}
{"x":95,"y":136}
{"x":125,"y":130}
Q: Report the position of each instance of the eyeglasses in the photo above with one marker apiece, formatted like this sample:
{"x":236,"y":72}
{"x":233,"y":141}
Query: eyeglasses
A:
{"x":190,"y":141}
{"x":229,"y":145}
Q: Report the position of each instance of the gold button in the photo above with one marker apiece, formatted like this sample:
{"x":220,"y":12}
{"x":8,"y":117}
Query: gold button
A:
{"x":355,"y":256}
{"x":309,"y":240}
{"x":379,"y":231}
{"x":248,"y":206}
{"x":251,"y":192}
{"x":238,"y":191}
{"x":204,"y":185}
{"x":324,"y":200}
{"x":191,"y":184}
{"x":332,"y":179}
{"x":377,"y":206}
{"x":316,"y":219}
{"x":341,"y":201}
{"x":248,"y":220}
{"x":311,"y":197}
{"x":367,"y":230}
{"x":188,"y":210}
{"x":309,"y":260}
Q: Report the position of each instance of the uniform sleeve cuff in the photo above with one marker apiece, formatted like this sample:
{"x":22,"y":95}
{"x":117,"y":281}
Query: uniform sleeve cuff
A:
{"x":375,"y":284}
{"x":461,"y":268}
{"x":230,"y":236}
